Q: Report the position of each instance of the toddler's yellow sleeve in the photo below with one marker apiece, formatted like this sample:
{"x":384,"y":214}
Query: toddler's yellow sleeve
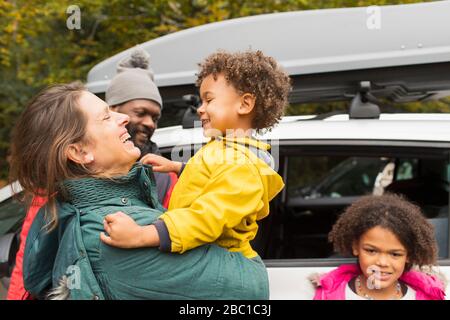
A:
{"x":233,"y":193}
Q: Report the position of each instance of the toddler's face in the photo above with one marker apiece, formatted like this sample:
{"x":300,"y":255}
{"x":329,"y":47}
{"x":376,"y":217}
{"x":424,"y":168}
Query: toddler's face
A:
{"x":382,"y":257}
{"x":220,"y":104}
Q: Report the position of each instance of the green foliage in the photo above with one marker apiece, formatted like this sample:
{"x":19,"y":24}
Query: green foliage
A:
{"x":37,"y":48}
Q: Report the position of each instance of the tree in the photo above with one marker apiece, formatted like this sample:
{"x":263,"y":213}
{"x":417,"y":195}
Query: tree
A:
{"x":37,"y":48}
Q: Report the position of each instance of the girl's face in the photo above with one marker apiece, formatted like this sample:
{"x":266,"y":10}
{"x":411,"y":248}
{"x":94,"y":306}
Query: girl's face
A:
{"x":109,"y":148}
{"x":382,"y":258}
{"x":220,"y":104}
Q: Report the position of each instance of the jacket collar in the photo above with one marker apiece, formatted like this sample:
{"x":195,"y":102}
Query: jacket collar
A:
{"x":426,"y":284}
{"x":344,"y":273}
{"x":248,"y":141}
{"x":85,"y":192}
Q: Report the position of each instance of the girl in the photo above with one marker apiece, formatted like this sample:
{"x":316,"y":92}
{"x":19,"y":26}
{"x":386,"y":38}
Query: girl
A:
{"x":389,"y":236}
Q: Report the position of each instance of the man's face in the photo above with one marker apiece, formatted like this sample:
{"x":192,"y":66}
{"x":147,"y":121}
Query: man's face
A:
{"x":144,"y":116}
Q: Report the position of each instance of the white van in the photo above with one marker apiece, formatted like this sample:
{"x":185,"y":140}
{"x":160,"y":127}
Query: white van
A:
{"x":366,"y":58}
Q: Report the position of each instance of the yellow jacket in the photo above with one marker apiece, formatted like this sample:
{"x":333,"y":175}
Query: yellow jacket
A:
{"x":223,"y":190}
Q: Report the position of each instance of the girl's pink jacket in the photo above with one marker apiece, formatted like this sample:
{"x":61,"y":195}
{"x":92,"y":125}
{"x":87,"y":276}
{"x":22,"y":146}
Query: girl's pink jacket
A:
{"x":332,"y":285}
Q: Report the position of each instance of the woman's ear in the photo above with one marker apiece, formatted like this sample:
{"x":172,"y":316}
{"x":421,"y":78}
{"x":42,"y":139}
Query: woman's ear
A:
{"x":78,"y":155}
{"x":247,"y":104}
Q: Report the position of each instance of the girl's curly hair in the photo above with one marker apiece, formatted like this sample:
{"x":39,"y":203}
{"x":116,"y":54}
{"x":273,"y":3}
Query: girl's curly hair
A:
{"x":391,"y":212}
{"x":252,"y":72}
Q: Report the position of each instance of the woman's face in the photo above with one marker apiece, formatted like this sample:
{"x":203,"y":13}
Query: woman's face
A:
{"x":382,"y":257}
{"x":109,"y":148}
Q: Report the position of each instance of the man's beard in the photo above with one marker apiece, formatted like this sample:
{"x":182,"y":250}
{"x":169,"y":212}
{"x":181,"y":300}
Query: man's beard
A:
{"x":133,"y":130}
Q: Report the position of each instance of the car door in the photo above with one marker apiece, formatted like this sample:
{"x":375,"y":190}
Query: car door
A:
{"x":302,"y":216}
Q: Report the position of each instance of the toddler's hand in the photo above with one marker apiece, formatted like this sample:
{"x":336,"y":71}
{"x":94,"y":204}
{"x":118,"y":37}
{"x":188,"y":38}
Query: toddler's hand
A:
{"x":125,"y":233}
{"x":161,"y":164}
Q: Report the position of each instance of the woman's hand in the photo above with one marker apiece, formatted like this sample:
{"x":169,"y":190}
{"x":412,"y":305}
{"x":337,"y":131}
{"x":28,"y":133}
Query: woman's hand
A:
{"x":161,"y":164}
{"x":125,"y":233}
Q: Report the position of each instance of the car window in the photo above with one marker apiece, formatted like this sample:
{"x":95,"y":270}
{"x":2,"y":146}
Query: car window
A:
{"x":406,"y":169}
{"x":321,"y":186}
{"x":323,"y":177}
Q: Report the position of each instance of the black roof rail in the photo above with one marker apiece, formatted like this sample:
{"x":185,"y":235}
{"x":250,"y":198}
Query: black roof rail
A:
{"x":324,"y":115}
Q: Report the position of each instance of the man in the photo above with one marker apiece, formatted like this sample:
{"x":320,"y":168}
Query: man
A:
{"x":132,"y":91}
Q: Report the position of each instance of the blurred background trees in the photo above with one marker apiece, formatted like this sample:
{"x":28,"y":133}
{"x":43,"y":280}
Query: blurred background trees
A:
{"x":37,"y":48}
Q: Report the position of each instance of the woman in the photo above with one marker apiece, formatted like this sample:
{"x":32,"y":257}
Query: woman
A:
{"x":68,"y":143}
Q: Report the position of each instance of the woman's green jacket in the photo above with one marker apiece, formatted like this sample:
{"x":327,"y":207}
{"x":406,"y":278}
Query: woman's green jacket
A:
{"x":71,"y":258}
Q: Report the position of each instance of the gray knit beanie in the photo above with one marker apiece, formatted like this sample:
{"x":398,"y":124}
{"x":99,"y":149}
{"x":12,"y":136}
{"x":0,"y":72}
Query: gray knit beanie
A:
{"x":134,"y":80}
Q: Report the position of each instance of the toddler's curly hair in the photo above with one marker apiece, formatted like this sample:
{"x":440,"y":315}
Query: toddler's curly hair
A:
{"x":391,"y":212}
{"x":252,"y":72}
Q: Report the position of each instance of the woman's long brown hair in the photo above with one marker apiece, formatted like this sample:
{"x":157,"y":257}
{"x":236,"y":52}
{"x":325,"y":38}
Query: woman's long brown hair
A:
{"x":48,"y":125}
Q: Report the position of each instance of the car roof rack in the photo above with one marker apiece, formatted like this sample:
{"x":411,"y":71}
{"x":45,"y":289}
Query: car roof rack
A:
{"x":364,"y":105}
{"x":324,"y":116}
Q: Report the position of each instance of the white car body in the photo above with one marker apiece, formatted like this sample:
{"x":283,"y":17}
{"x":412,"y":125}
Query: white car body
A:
{"x":289,"y":278}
